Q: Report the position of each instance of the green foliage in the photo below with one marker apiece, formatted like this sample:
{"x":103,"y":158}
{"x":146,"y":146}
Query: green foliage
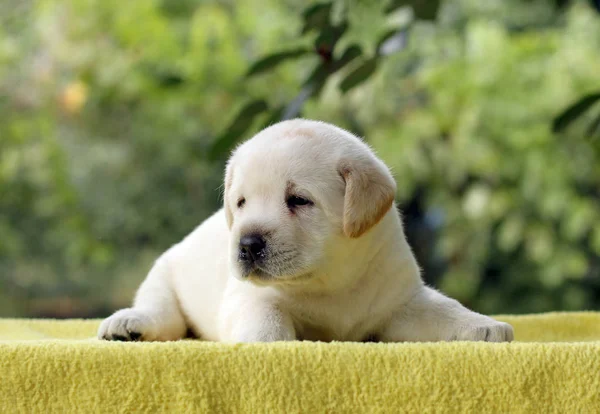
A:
{"x":238,"y":127}
{"x":359,"y":75}
{"x":116,"y":119}
{"x":575,"y":111}
{"x":341,"y":32}
{"x":275,"y":59}
{"x":474,"y":130}
{"x":107,"y":114}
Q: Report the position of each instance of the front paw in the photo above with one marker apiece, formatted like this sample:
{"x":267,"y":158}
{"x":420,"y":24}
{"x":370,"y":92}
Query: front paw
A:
{"x":487,"y":331}
{"x":127,"y":325}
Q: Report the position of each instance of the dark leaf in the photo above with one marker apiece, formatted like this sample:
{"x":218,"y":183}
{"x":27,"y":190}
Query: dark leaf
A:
{"x":166,"y":77}
{"x":594,"y":128}
{"x":314,"y":84}
{"x":426,"y":9}
{"x":170,"y":80}
{"x":236,"y":129}
{"x":359,"y":75}
{"x":275,"y":59}
{"x":423,"y":9}
{"x":177,"y":8}
{"x":317,"y":79}
{"x":325,"y":42}
{"x":316,"y":17}
{"x":348,"y":56}
{"x":596,"y":5}
{"x":574,"y":111}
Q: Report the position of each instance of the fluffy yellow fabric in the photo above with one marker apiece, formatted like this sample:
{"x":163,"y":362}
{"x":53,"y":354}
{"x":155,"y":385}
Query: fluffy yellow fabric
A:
{"x":56,"y":366}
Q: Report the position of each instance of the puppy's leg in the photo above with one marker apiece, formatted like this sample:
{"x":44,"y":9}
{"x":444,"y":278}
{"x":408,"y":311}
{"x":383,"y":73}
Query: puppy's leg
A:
{"x":253,"y":320}
{"x":155,"y":315}
{"x":431,"y":316}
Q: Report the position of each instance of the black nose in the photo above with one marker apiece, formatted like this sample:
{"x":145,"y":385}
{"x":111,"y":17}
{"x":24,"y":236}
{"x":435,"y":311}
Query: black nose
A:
{"x":252,"y":248}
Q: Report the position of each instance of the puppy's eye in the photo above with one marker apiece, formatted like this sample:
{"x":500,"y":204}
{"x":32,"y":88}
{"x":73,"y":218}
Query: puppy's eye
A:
{"x":296,"y":201}
{"x":241,"y":202}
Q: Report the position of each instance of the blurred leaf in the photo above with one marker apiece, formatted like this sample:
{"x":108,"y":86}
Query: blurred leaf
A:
{"x":476,"y":201}
{"x":237,"y":128}
{"x":539,"y":243}
{"x":575,"y":263}
{"x":275,"y":59}
{"x":315,"y":17}
{"x":387,"y":35}
{"x":510,"y":233}
{"x":392,"y":42}
{"x":423,"y":9}
{"x":359,"y":75}
{"x":594,"y":127}
{"x":170,"y":80}
{"x":325,"y":42}
{"x":317,"y":79}
{"x":314,"y":83}
{"x":179,"y":9}
{"x":595,"y":239}
{"x":574,"y":111}
{"x":348,"y":56}
{"x":578,"y":223}
{"x":339,"y":12}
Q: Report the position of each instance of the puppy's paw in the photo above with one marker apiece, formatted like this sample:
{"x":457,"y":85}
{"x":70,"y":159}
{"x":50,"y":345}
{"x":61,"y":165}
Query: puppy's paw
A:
{"x":488,"y":330}
{"x":127,"y":325}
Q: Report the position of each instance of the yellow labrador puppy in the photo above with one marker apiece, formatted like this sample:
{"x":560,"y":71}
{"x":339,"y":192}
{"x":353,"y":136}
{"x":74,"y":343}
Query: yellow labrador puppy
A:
{"x":308,"y":246}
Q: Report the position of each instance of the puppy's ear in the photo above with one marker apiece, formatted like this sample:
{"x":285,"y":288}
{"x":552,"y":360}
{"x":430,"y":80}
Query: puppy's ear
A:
{"x":228,"y":181}
{"x":370,"y":191}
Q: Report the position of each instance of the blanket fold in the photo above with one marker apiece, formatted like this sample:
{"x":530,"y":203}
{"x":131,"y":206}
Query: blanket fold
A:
{"x":58,"y":366}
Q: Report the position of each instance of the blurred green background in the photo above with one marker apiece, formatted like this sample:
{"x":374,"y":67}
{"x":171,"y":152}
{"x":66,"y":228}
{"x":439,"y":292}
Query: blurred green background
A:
{"x":116,"y":118}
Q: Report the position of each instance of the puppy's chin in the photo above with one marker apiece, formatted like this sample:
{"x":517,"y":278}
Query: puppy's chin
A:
{"x":254,"y":274}
{"x":260,"y":277}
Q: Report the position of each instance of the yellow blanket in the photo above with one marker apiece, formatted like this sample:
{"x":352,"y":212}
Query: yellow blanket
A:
{"x":55,"y":366}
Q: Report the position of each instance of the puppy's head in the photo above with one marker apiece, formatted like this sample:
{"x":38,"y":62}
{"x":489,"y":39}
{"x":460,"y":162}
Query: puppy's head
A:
{"x":293,"y":192}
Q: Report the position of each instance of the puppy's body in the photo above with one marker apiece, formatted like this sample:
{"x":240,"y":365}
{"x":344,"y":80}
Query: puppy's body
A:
{"x":307,"y":246}
{"x":319,"y":311}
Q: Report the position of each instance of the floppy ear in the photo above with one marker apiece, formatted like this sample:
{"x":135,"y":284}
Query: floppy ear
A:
{"x":370,"y":191}
{"x":228,"y":181}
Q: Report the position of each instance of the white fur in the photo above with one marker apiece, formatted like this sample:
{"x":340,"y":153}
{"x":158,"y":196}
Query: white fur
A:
{"x":340,"y":269}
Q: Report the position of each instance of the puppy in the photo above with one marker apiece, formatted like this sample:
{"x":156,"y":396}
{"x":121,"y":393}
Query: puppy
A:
{"x":308,"y":246}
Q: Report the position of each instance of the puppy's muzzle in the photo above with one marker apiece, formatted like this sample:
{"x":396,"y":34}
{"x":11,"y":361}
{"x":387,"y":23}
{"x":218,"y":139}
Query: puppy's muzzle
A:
{"x":252,"y":249}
